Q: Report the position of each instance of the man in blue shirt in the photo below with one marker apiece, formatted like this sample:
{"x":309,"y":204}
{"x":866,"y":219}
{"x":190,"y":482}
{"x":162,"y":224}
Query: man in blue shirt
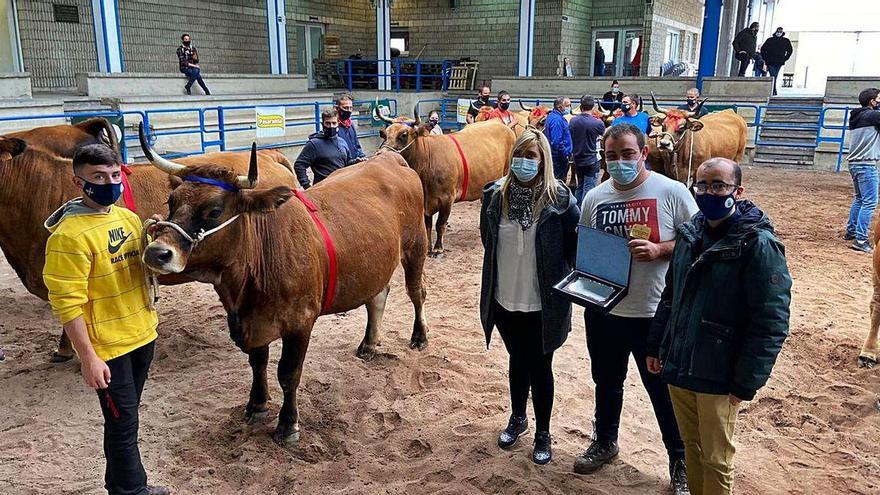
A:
{"x":347,"y":130}
{"x":556,"y":130}
{"x":585,"y":133}
{"x":632,"y":115}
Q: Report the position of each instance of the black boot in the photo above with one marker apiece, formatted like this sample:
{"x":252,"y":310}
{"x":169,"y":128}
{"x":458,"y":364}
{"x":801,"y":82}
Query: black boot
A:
{"x":678,"y":477}
{"x":597,"y":455}
{"x":542,"y":454}
{"x":515,"y":428}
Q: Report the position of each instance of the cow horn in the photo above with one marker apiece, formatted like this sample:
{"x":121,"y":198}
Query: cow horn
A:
{"x":162,"y":164}
{"x":696,"y":111}
{"x":576,"y":110}
{"x":525,"y":107}
{"x":656,"y":106}
{"x":604,"y":111}
{"x":416,"y":113}
{"x":249,"y":181}
{"x":378,"y":115}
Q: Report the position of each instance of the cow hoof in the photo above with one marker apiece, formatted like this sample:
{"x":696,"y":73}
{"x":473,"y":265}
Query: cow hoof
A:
{"x":436,"y":255}
{"x":254,"y":417}
{"x":285,"y":436}
{"x":419,"y":345}
{"x":366,"y":352}
{"x":58,"y":357}
{"x":867,"y":362}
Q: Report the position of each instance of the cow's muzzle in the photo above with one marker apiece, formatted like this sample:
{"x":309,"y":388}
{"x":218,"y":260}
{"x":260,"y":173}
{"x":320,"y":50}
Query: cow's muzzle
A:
{"x":164,"y":259}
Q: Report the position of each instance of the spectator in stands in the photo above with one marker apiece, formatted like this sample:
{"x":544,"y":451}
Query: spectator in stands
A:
{"x":863,"y":158}
{"x":585,"y":133}
{"x":481,"y":101}
{"x":760,"y":68}
{"x":612,"y":99}
{"x":631,"y":114}
{"x":776,"y":51}
{"x":433,"y":124}
{"x":693,"y":101}
{"x":347,"y":129}
{"x":188,"y":57}
{"x":599,"y":60}
{"x":744,"y":47}
{"x":502,"y":111}
{"x":324,"y":153}
{"x":557,"y":132}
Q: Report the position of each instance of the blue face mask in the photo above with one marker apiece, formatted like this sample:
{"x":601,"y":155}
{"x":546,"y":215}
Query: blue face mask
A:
{"x":566,"y":111}
{"x":623,"y":172}
{"x":525,"y":169}
{"x":103,"y":194}
{"x":715,"y":207}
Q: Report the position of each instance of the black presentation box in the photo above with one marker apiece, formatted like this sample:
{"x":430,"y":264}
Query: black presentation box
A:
{"x":601,"y":275}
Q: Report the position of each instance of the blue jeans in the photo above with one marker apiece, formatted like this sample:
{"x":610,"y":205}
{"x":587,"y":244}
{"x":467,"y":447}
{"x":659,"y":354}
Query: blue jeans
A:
{"x":864,"y":178}
{"x":194,"y":75}
{"x":586,"y":180}
{"x":560,"y":167}
{"x":774,"y":73}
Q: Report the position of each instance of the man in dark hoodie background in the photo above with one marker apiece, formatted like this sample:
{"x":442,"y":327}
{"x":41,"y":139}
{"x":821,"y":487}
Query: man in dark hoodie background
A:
{"x":324,"y":153}
{"x":776,"y":51}
{"x":863,"y":158}
{"x":744,"y":47}
{"x":721,"y":321}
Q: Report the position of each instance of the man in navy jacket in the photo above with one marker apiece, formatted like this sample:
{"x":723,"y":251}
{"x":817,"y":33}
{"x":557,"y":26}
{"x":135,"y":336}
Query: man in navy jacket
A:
{"x":347,"y":130}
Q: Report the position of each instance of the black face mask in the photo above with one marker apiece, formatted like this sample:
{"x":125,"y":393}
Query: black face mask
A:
{"x":691,"y":102}
{"x":625,"y":108}
{"x":344,"y":115}
{"x":330,"y":132}
{"x":504,"y":106}
{"x":187,"y":43}
{"x":484,"y":99}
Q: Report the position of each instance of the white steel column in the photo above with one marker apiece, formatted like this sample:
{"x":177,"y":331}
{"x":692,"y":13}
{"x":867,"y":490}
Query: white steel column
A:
{"x":383,"y":43}
{"x":108,"y":42}
{"x":276,"y":24}
{"x":526,"y":37}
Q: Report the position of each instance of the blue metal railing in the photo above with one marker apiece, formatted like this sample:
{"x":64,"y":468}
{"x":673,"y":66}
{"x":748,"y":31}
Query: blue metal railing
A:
{"x":214,"y":124}
{"x":415,"y":74}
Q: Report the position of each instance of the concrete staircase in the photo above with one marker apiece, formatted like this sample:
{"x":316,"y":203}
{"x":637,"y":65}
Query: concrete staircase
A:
{"x":788,"y":132}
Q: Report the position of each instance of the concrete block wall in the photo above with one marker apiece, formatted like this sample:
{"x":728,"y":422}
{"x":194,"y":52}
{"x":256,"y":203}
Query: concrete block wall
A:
{"x":354,"y":21}
{"x":485,"y":30}
{"x":548,"y":38}
{"x":231,"y":35}
{"x":666,"y":16}
{"x":620,"y":14}
{"x":55,"y":51}
{"x":577,"y":36}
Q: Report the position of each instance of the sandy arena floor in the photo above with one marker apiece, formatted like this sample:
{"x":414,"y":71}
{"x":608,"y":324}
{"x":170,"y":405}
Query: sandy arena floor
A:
{"x":426,"y":422}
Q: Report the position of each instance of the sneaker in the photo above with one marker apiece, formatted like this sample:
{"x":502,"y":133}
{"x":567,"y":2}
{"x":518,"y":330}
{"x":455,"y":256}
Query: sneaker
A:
{"x":158,"y":490}
{"x":596,"y":456}
{"x":678,"y":477}
{"x":515,"y":428}
{"x":849,"y":236}
{"x":863,"y":246}
{"x":542,"y":454}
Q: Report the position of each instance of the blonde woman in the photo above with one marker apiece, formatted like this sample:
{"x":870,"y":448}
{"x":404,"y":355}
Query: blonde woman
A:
{"x":528,"y":225}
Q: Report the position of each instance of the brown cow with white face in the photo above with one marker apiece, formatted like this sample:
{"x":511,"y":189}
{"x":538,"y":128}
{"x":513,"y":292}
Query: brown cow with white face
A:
{"x":487,"y":147}
{"x":271,"y":266}
{"x":36,"y":169}
{"x":683,"y":141}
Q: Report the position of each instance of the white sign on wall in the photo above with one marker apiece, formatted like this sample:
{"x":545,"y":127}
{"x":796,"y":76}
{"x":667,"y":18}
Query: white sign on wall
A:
{"x":463,"y":106}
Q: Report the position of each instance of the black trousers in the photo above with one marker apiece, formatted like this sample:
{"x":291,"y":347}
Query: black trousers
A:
{"x":610,"y":341}
{"x":530,"y":368}
{"x":743,"y":65}
{"x":194,"y":75}
{"x":124,"y":474}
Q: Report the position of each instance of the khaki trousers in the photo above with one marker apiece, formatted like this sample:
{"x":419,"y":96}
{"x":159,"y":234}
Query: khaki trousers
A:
{"x":706,"y":423}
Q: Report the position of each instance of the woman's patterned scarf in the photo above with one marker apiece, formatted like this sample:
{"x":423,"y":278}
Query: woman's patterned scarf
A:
{"x":520,"y":204}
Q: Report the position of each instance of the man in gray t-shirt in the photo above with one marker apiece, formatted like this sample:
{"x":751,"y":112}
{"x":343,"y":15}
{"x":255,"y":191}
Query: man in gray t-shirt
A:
{"x":646,"y":208}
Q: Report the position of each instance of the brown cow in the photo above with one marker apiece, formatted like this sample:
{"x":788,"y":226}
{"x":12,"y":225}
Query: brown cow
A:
{"x":36,"y":168}
{"x":520,"y":119}
{"x":684,"y":142}
{"x":870,"y":354}
{"x":276,"y":280}
{"x":487,"y":147}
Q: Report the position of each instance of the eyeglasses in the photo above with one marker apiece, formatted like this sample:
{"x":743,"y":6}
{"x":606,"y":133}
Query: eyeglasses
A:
{"x":715,"y":187}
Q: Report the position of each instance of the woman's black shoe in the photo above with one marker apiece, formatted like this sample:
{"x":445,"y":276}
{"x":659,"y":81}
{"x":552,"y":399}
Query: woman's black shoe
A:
{"x":542,"y":454}
{"x":515,"y":428}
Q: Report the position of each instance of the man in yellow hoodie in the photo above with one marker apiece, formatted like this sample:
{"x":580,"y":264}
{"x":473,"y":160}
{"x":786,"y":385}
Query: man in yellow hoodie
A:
{"x":98,"y":290}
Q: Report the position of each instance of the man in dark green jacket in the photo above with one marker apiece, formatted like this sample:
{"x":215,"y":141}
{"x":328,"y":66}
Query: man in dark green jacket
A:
{"x":721,"y":321}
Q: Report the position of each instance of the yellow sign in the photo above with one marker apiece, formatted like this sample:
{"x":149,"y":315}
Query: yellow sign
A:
{"x":270,"y":121}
